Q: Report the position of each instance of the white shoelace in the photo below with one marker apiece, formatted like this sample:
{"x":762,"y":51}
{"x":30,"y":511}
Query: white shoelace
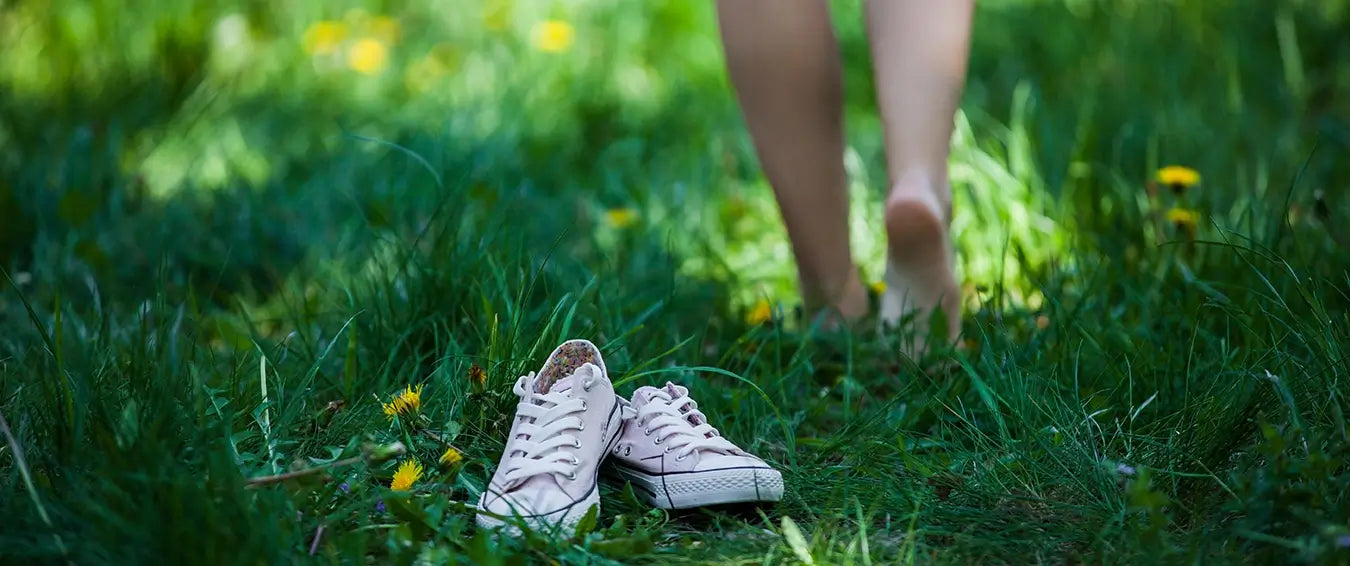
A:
{"x":545,"y":442}
{"x":669,"y":418}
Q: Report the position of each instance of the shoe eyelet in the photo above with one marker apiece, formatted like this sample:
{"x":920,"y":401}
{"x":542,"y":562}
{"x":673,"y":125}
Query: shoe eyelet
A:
{"x":583,"y":404}
{"x":586,"y":386}
{"x":581,"y":427}
{"x":576,"y":443}
{"x":572,"y":476}
{"x":680,"y":458}
{"x":575,"y":461}
{"x":658,"y":440}
{"x":647,"y":431}
{"x":667,"y":450}
{"x":627,"y":450}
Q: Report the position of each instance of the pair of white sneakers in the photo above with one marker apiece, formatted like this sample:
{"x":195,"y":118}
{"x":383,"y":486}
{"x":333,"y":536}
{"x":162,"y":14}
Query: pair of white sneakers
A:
{"x":569,"y":420}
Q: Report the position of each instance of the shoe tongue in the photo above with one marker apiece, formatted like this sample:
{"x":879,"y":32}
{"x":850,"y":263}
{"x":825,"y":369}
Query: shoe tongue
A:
{"x":560,"y":386}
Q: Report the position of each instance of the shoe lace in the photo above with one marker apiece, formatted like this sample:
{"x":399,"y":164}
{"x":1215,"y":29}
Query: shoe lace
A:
{"x":546,"y":438}
{"x":671,"y":418}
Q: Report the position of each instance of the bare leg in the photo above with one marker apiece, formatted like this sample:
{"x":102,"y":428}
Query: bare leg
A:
{"x":784,"y":62}
{"x":919,"y":52}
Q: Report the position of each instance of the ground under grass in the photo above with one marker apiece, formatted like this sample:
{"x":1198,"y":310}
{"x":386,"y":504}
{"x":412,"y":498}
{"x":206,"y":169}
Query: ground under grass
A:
{"x":210,"y":287}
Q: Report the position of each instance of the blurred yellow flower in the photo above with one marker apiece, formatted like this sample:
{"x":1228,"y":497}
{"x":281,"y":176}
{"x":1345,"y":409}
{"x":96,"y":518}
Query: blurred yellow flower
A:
{"x":451,"y":457}
{"x":406,"y":402}
{"x":621,"y":217}
{"x":324,"y":38}
{"x":761,"y":313}
{"x":408,"y":473}
{"x":368,"y":56}
{"x":1178,"y":178}
{"x":553,"y":36}
{"x":497,"y":15}
{"x":384,"y":28}
{"x":878,"y":287}
{"x":1183,"y":218}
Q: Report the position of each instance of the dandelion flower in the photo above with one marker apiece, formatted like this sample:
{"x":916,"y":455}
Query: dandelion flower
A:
{"x":406,"y":402}
{"x":323,"y":38}
{"x":760,"y":313}
{"x":553,"y":36}
{"x":878,"y":287}
{"x":451,"y":457}
{"x":621,"y":217}
{"x":476,"y":375}
{"x":368,"y":56}
{"x":1178,"y":178}
{"x":1183,"y":219}
{"x":408,"y":473}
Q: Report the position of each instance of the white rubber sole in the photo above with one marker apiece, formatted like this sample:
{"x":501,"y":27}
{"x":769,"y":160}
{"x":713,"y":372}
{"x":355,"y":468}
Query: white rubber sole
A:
{"x":684,"y":490}
{"x":562,"y":521}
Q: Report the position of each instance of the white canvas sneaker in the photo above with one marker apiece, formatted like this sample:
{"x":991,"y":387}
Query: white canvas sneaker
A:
{"x":676,"y":460}
{"x":566,"y":423}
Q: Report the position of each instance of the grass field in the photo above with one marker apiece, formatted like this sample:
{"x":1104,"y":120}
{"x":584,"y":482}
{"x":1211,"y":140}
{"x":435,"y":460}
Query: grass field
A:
{"x":232,"y":231}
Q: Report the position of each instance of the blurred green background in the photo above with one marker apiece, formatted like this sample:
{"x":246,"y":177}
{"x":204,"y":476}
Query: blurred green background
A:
{"x":261,"y":121}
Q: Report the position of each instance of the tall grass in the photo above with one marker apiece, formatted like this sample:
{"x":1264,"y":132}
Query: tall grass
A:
{"x":196,"y":219}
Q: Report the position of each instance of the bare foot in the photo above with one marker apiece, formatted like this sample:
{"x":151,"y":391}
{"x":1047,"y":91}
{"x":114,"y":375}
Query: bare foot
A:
{"x":919,"y":272}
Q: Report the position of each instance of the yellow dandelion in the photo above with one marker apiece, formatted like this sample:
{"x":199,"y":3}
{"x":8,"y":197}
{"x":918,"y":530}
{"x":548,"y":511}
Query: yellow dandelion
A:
{"x":1183,"y":218}
{"x":451,"y":457}
{"x":553,"y":36}
{"x":761,"y":313}
{"x":406,"y":402}
{"x":621,"y":217}
{"x":391,"y":409}
{"x":1178,"y":178}
{"x":324,"y":38}
{"x":384,"y":28}
{"x":368,"y":56}
{"x":476,"y":375}
{"x":878,"y":287}
{"x":408,"y":473}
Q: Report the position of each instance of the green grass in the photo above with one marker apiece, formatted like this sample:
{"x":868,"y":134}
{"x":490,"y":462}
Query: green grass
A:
{"x":190,"y":220}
